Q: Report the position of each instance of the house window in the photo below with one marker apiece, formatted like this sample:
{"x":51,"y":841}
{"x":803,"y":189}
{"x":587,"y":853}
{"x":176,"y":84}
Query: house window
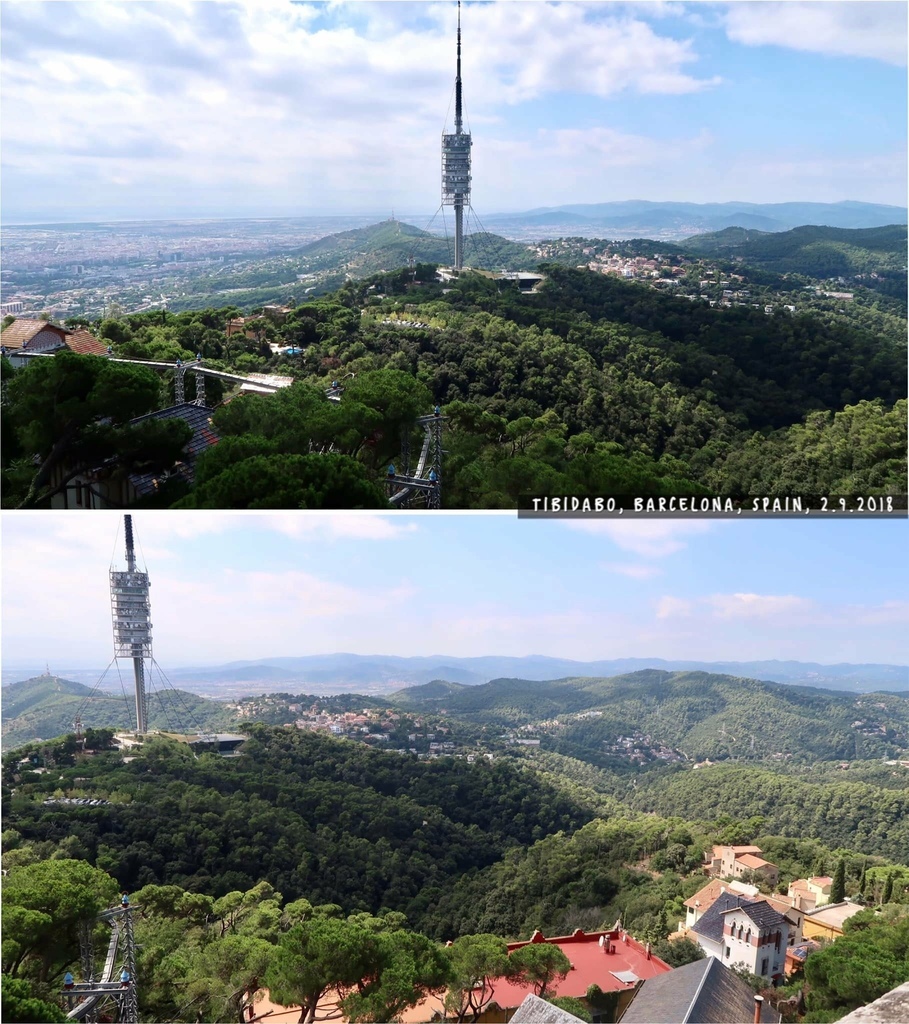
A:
{"x":764,"y":965}
{"x":777,"y":942}
{"x":728,"y":951}
{"x":78,"y":495}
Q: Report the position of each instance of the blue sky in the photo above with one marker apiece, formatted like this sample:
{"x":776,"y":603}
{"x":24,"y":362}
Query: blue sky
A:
{"x":132,"y":109}
{"x":229,"y":587}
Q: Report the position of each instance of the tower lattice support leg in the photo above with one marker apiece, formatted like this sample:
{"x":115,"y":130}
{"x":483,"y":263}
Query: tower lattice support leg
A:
{"x":179,"y":393}
{"x":435,"y":495}
{"x":141,"y":696}
{"x":459,"y":236}
{"x":200,"y":389}
{"x":405,"y":459}
{"x":87,"y":950}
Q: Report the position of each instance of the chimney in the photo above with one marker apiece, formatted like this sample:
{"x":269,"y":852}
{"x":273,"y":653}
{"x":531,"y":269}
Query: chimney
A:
{"x":758,"y":1006}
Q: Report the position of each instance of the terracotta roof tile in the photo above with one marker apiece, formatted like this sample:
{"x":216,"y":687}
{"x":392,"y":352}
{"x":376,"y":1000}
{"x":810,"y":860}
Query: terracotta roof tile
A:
{"x":21,"y":331}
{"x":84,"y":343}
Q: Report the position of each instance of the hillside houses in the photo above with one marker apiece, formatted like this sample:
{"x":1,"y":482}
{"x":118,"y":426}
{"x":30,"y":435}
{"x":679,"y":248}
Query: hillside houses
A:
{"x":814,"y":891}
{"x":25,"y":337}
{"x":743,"y":862}
{"x":745,"y":932}
{"x":793,"y":908}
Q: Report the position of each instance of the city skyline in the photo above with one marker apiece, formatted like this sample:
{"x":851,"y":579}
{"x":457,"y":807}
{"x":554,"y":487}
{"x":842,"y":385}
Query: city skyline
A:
{"x":135,"y":111}
{"x":227,"y":587}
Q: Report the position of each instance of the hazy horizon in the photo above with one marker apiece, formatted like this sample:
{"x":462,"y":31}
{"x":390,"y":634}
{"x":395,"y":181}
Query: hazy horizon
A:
{"x":379,"y":216}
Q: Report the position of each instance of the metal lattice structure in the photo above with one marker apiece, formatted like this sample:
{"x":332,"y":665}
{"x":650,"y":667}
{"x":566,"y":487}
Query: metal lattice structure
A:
{"x":180,"y":382}
{"x":456,"y":164}
{"x":93,"y":998}
{"x":132,"y":621}
{"x":426,"y":481}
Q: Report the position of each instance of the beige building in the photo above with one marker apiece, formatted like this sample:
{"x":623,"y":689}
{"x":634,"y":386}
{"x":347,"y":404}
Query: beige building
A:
{"x":739,"y":861}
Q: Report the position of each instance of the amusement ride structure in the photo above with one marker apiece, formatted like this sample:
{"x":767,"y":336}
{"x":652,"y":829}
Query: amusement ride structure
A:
{"x":113,"y":988}
{"x":403,"y":490}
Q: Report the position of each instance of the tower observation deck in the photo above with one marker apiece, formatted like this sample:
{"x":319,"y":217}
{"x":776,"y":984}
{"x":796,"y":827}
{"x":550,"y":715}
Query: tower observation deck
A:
{"x":456,"y":164}
{"x":132,"y":621}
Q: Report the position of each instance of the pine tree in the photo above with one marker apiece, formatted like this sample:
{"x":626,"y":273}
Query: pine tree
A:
{"x":862,"y":880}
{"x":888,"y":889}
{"x":838,"y":889}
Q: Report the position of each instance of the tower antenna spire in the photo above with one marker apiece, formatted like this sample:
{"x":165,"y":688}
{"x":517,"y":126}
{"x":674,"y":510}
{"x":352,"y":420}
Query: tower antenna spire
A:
{"x":458,"y":118}
{"x":456,"y":163}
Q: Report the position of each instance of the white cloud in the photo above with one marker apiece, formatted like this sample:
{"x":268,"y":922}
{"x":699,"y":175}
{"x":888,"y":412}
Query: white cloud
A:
{"x":54,"y":572}
{"x":810,"y":177}
{"x":669,"y":607}
{"x":888,"y":613}
{"x":758,"y":606}
{"x":852,"y":29}
{"x":652,"y":539}
{"x":353,"y":527}
{"x":225,"y":100}
{"x":634,"y":572}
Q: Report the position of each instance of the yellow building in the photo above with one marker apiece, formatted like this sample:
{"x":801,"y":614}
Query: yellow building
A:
{"x":827,"y":922}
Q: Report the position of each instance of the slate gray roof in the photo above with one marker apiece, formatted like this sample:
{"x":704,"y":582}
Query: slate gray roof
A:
{"x":203,"y":438}
{"x":537,"y":1011}
{"x":710,"y":925}
{"x":705,"y":992}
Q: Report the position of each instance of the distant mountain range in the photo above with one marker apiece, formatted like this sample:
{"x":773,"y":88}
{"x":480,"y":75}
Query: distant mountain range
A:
{"x":336,"y":673}
{"x":638,"y":217}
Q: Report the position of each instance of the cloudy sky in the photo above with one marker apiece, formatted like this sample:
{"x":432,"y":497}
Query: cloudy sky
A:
{"x":133,"y":110}
{"x":231,"y":586}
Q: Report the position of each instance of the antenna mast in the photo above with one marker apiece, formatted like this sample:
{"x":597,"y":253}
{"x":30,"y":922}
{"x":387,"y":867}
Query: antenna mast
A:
{"x":132,"y":621}
{"x":456,"y":164}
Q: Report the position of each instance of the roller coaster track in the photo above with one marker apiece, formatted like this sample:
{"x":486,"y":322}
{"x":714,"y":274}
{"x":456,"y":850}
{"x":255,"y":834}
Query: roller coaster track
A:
{"x":403,"y":487}
{"x":431,"y":451}
{"x":109,"y":986}
{"x":192,"y":366}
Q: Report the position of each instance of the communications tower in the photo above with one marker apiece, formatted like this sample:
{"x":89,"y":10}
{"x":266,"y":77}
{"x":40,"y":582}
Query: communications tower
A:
{"x":132,"y":621}
{"x":456,"y":164}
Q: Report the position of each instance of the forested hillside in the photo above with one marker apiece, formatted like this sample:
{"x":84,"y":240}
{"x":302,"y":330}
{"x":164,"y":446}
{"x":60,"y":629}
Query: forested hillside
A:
{"x":703,"y":715}
{"x":854,"y":814}
{"x":814,"y":251}
{"x":593,"y":385}
{"x":358,"y":828}
{"x":44,"y":707}
{"x":292,"y":866}
{"x":391,"y":243}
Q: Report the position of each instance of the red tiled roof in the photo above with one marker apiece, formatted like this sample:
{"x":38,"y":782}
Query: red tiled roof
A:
{"x":750,"y":861}
{"x":590,"y":965}
{"x":707,"y":896}
{"x":19,"y":332}
{"x":84,"y":343}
